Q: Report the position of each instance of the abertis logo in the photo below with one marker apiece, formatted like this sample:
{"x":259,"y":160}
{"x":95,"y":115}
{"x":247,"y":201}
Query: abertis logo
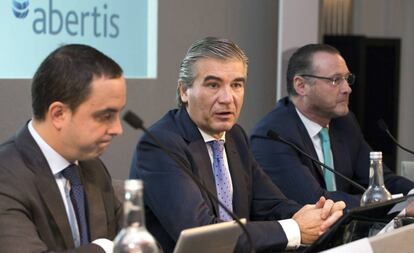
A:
{"x":20,"y":8}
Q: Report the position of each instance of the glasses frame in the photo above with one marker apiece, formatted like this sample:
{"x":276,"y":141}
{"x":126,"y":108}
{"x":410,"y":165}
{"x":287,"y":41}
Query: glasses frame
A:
{"x":335,"y":81}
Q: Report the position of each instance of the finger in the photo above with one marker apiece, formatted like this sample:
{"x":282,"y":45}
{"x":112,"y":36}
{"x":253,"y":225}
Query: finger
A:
{"x":326,"y":209}
{"x":340,"y":205}
{"x":331,"y":220}
{"x":320,"y":202}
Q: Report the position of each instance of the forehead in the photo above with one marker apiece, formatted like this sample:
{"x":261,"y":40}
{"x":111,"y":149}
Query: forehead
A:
{"x":217,"y":66}
{"x":329,"y":63}
{"x":107,"y":92}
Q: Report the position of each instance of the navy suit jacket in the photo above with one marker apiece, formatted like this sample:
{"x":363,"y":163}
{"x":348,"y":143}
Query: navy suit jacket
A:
{"x":301,"y":179}
{"x":32,"y":213}
{"x":174,"y":202}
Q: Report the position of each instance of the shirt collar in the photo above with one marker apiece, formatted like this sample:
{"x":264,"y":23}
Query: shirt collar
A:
{"x":312,"y":127}
{"x":56,"y":162}
{"x":208,"y":138}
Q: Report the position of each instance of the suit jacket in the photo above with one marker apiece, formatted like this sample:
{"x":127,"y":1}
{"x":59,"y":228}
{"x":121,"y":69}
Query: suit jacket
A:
{"x":174,"y":202}
{"x":32,"y":213}
{"x":302,"y":180}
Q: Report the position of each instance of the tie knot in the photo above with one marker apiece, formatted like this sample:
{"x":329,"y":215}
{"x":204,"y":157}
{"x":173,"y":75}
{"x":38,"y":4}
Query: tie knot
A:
{"x":70,"y":174}
{"x":324,"y":134}
{"x":217,"y":146}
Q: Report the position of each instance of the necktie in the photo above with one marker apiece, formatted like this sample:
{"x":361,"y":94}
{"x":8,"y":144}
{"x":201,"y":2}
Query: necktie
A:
{"x":222,"y":178}
{"x":77,"y":197}
{"x":327,"y":158}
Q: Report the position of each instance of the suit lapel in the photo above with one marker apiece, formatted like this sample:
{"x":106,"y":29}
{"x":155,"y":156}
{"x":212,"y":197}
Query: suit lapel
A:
{"x":341,"y":159}
{"x":202,"y":163}
{"x":96,"y":211}
{"x":45,"y":182}
{"x":240,"y":198}
{"x":306,"y":144}
{"x":203,"y":170}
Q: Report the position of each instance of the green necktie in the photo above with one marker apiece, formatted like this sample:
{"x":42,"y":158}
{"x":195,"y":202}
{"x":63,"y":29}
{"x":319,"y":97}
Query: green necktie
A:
{"x":327,"y":158}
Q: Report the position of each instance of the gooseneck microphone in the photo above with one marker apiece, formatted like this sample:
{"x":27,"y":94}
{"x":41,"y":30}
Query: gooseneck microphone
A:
{"x":273,"y":135}
{"x":383,"y":126}
{"x":134,"y":121}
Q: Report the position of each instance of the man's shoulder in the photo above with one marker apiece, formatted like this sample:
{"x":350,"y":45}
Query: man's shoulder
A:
{"x":10,"y":157}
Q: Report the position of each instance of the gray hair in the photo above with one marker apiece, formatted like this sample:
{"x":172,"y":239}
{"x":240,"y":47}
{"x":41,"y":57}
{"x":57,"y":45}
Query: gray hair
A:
{"x":209,"y":47}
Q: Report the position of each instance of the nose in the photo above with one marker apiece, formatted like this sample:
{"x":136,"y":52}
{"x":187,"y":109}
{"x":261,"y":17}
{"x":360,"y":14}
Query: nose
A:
{"x":116,"y":127}
{"x":345,"y":87}
{"x":226,"y":95}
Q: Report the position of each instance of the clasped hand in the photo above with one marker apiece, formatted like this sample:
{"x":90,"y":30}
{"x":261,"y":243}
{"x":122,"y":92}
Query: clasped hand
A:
{"x":314,"y":220}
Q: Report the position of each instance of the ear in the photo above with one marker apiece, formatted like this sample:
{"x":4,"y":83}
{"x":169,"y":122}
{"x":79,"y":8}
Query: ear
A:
{"x":299,"y":84}
{"x":58,"y":113}
{"x":183,"y":92}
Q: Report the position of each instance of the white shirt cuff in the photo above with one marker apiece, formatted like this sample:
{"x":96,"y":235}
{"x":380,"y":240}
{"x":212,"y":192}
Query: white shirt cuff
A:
{"x":105,"y":244}
{"x":292,"y":231}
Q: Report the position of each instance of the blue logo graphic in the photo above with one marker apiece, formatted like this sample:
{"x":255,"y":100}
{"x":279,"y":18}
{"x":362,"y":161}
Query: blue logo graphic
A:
{"x":20,"y":8}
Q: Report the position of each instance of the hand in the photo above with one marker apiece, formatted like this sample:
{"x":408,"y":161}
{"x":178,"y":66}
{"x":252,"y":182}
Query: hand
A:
{"x":409,"y":210}
{"x":313,"y":220}
{"x":309,"y":221}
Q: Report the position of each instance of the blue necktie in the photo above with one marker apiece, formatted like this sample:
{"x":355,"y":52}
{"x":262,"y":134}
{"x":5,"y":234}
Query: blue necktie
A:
{"x":77,"y":197}
{"x":222,"y":178}
{"x":327,"y":158}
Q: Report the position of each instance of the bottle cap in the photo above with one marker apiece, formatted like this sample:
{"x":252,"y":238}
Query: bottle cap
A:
{"x":133,"y":184}
{"x":375,"y":155}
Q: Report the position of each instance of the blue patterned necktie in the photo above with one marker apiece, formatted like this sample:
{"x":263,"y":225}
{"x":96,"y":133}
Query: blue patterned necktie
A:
{"x":77,"y":197}
{"x":222,"y":179}
{"x":327,"y":158}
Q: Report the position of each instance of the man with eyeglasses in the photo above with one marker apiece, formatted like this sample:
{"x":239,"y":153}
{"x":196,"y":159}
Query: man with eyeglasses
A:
{"x":315,"y":117}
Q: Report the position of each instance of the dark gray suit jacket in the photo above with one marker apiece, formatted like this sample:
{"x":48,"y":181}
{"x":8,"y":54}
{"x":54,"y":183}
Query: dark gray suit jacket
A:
{"x":302,"y":180}
{"x":174,"y":202}
{"x":32,"y":213}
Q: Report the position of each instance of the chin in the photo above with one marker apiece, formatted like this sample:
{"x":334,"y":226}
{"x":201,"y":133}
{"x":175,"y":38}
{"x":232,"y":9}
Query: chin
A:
{"x":342,"y":113}
{"x":225,"y":127}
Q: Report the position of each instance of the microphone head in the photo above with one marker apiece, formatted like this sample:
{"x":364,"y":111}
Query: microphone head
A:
{"x":133,"y":120}
{"x":272,"y":134}
{"x":382,"y":125}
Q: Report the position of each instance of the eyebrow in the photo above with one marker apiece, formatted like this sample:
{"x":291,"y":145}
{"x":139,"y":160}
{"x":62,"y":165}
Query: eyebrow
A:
{"x":215,"y":78}
{"x":100,"y":112}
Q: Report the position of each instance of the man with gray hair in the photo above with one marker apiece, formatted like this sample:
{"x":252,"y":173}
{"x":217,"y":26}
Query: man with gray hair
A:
{"x":204,"y":136}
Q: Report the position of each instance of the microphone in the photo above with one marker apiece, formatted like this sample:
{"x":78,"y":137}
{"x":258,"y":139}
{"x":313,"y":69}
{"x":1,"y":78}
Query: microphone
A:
{"x":134,"y":121}
{"x":273,"y":135}
{"x":383,"y":126}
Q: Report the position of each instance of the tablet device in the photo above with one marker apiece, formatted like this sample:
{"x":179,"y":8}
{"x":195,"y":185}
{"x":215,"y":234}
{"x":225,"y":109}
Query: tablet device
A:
{"x":218,"y":238}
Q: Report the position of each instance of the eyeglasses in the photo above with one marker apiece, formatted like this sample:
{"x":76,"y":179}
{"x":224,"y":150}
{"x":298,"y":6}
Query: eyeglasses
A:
{"x":336,"y":80}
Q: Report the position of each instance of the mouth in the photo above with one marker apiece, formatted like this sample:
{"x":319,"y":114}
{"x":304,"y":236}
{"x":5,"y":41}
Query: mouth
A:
{"x":105,"y":142}
{"x":224,"y":114}
{"x":346,"y":101}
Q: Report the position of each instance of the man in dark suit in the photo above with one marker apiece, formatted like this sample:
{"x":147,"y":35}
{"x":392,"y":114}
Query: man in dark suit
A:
{"x":55,"y":193}
{"x":210,"y":96}
{"x":318,"y":84}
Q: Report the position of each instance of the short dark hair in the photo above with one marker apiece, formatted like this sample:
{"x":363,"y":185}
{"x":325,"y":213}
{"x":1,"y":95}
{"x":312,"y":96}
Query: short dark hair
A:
{"x":209,"y":47}
{"x":301,"y":62}
{"x":66,"y":74}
